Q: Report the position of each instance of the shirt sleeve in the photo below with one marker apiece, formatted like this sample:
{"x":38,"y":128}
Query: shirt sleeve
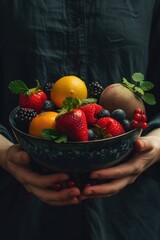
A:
{"x":153,"y":72}
{"x":154,"y":170}
{"x":152,"y":124}
{"x":6,"y":133}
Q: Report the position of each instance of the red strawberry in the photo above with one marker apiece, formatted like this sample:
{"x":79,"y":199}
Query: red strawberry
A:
{"x":34,"y":100}
{"x":29,"y":98}
{"x":91,"y":110}
{"x":112,"y":127}
{"x":73,"y":124}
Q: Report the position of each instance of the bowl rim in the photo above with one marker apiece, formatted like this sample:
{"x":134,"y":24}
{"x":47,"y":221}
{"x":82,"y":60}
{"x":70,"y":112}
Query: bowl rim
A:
{"x":70,"y":142}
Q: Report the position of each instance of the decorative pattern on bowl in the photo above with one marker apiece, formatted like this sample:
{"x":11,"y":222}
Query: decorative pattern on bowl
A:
{"x":76,"y":156}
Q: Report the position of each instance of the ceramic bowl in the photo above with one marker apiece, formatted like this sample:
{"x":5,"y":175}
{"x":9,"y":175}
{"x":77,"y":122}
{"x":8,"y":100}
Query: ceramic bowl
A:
{"x":76,"y":156}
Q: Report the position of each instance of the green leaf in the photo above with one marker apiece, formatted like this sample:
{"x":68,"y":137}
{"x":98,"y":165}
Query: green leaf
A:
{"x":138,"y":91}
{"x":61,"y":112}
{"x":88,"y":101}
{"x":52,"y":135}
{"x":62,"y":139}
{"x":140,"y":87}
{"x":49,"y":133}
{"x":18,"y":87}
{"x":146,"y":85}
{"x":149,"y":99}
{"x":99,"y":133}
{"x":138,"y":77}
{"x":127,"y":84}
{"x":71,"y":103}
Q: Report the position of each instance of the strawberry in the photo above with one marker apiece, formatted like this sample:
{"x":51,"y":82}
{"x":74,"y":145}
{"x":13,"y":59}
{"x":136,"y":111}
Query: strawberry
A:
{"x":73,"y":124}
{"x":112,"y":126}
{"x":34,"y":100}
{"x":91,"y":111}
{"x":29,"y":98}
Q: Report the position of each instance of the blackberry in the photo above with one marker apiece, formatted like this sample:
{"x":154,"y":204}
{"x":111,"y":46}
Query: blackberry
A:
{"x":47,"y":89}
{"x":95,"y":90}
{"x":23,"y":117}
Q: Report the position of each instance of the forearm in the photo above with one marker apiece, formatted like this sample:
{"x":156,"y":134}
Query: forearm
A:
{"x":154,"y":136}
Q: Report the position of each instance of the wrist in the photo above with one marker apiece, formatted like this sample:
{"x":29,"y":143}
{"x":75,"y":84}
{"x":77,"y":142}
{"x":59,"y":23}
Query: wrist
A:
{"x":4,"y":146}
{"x":155,"y":132}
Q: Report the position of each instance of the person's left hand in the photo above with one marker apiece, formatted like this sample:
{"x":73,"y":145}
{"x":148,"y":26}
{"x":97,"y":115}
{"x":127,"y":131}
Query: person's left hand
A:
{"x":147,"y":152}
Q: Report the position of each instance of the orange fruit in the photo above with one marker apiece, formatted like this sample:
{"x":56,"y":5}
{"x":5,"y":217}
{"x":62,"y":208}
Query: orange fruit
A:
{"x":68,"y":86}
{"x":41,"y":121}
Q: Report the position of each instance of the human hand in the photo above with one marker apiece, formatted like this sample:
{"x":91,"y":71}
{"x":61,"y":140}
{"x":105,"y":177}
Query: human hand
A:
{"x":147,"y":152}
{"x":17,"y":164}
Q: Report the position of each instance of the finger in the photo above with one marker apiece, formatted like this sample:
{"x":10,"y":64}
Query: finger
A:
{"x":28,"y":177}
{"x":18,"y":155}
{"x":108,"y":189}
{"x":63,"y":197}
{"x":119,"y":171}
{"x":137,"y":164}
{"x":21,"y":157}
{"x":142,"y":145}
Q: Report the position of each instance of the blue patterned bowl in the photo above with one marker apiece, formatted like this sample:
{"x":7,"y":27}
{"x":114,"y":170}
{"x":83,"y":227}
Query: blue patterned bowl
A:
{"x":76,"y":156}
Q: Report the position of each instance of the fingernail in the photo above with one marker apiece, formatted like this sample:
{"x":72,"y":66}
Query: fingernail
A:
{"x":75,"y":200}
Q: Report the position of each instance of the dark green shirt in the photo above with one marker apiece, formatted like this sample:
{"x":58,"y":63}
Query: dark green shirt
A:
{"x":100,"y":41}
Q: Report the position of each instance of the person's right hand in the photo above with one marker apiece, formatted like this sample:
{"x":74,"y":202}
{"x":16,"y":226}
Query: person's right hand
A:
{"x":17,"y":164}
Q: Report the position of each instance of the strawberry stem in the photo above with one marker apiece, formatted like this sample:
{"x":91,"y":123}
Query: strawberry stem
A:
{"x":19,"y":87}
{"x":33,"y":90}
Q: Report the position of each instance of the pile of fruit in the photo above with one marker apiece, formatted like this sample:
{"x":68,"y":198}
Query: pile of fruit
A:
{"x":69,"y":110}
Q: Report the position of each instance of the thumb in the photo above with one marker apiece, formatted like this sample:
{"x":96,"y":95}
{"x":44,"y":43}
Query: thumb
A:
{"x":19,"y":156}
{"x":23,"y":157}
{"x":142,"y":145}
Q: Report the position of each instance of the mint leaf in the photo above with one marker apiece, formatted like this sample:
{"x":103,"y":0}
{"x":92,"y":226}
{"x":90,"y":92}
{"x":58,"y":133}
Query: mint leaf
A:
{"x":138,"y":77}
{"x":49,"y":133}
{"x":138,"y":91}
{"x":71,"y":103}
{"x":140,"y":88}
{"x":17,"y":87}
{"x":146,"y":85}
{"x":88,"y":101}
{"x":52,"y":135}
{"x":127,"y":84}
{"x":149,"y":98}
{"x":62,"y":139}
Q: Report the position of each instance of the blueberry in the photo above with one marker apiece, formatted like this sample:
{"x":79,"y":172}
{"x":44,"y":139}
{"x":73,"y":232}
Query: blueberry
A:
{"x":48,"y":106}
{"x":126,"y":124}
{"x":118,"y":114}
{"x":90,"y":134}
{"x":103,"y":113}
